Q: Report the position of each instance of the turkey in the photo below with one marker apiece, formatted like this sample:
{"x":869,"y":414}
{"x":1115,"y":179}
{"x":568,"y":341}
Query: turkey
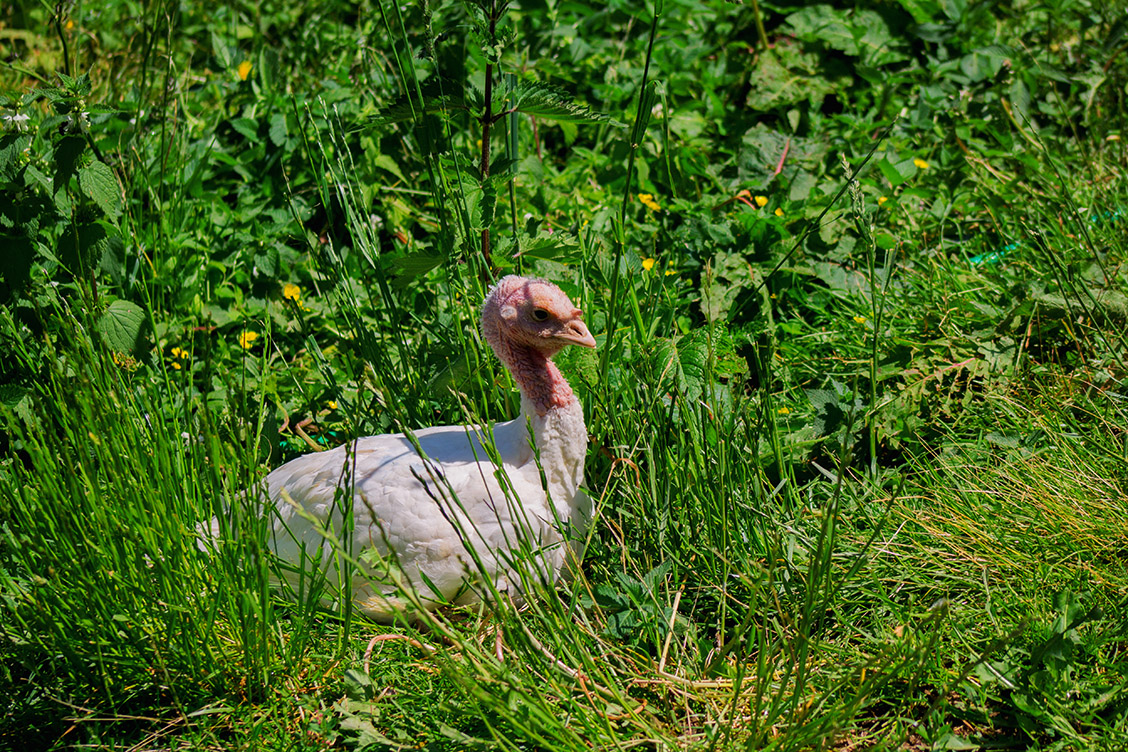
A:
{"x":441,"y":520}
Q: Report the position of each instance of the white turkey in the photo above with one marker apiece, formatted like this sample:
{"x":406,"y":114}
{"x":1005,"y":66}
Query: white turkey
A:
{"x":442,"y":520}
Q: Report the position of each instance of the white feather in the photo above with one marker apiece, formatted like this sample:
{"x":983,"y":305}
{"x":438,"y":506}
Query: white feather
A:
{"x":434,"y":519}
{"x":429,"y":519}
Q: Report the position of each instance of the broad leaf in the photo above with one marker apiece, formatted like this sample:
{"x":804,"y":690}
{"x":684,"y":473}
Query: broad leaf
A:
{"x":679,"y":365}
{"x":558,"y":246}
{"x":278,"y":129}
{"x":68,"y":154}
{"x":552,"y":103}
{"x":726,"y":276}
{"x":414,"y":264}
{"x":406,"y":109}
{"x":18,"y":399}
{"x":81,"y":247}
{"x":897,"y":172}
{"x":248,"y":127}
{"x":16,"y":260}
{"x":121,"y":325}
{"x":12,"y":146}
{"x":100,"y":184}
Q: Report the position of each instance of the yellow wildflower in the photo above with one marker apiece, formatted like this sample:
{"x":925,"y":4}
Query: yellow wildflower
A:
{"x":180,"y":352}
{"x":881,"y":200}
{"x":778,"y":212}
{"x":671,"y":272}
{"x":859,"y":319}
{"x":784,"y":411}
{"x":290,"y":291}
{"x":920,"y":163}
{"x":176,"y":365}
{"x":331,"y":404}
{"x":648,"y":200}
{"x":648,"y":264}
{"x":244,"y":69}
{"x":247,"y":339}
{"x":761,"y":201}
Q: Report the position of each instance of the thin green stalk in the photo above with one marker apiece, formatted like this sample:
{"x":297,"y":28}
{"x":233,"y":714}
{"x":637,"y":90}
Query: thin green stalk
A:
{"x":878,"y":290}
{"x":638,"y":131}
{"x":486,"y":121}
{"x":761,"y":35}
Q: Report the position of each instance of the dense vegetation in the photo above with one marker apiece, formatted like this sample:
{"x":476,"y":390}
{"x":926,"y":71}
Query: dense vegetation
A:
{"x":859,"y":412}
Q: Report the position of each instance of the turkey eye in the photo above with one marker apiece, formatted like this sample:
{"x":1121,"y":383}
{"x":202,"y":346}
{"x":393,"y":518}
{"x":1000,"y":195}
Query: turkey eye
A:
{"x":539,"y":314}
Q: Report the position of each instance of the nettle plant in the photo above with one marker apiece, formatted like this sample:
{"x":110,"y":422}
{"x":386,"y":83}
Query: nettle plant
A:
{"x":60,"y":209}
{"x":488,"y":107}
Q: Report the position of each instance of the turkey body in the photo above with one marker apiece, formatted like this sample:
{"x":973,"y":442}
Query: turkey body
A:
{"x":444,"y":523}
{"x":452,"y":514}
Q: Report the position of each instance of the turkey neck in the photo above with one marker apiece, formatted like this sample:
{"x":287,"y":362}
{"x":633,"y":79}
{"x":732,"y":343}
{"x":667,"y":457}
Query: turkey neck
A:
{"x":538,"y":377}
{"x":557,"y":422}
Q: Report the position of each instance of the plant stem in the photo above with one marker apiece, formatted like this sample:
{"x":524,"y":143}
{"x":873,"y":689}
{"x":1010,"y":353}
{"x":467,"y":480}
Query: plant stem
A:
{"x":487,"y":122}
{"x":759,"y":24}
{"x":62,"y":38}
{"x":641,"y":116}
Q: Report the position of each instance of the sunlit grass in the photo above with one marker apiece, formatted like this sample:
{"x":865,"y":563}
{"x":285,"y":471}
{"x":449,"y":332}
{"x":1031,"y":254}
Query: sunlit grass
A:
{"x":875,"y":499}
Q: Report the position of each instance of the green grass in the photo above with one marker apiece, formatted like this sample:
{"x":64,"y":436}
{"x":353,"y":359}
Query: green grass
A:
{"x":858,"y":420}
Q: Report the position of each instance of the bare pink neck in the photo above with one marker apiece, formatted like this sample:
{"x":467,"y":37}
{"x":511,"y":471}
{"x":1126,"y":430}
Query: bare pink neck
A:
{"x":537,"y":376}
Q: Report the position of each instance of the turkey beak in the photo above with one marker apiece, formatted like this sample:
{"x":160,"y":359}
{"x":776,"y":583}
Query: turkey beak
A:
{"x":576,"y":332}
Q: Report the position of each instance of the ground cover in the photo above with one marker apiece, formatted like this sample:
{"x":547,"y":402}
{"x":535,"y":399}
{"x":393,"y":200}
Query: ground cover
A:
{"x":858,"y":422}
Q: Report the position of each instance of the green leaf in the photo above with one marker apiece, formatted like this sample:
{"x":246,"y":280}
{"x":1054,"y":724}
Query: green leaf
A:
{"x":897,"y":172}
{"x":247,"y":127}
{"x":649,"y":95}
{"x":832,"y":408}
{"x":121,"y":324}
{"x":100,"y":184}
{"x":826,"y":26}
{"x":953,"y":741}
{"x":219,"y":49}
{"x":384,"y":162}
{"x":414,"y":264}
{"x":487,"y":204}
{"x":82,"y":85}
{"x":267,"y":261}
{"x":558,"y":246}
{"x":502,"y":168}
{"x":278,"y":129}
{"x":553,"y":103}
{"x":801,"y":186}
{"x":81,"y":247}
{"x":12,"y":146}
{"x":680,"y":364}
{"x":18,"y":399}
{"x":16,"y":260}
{"x":407,"y":109}
{"x":726,"y":276}
{"x":787,"y":76}
{"x":68,"y":154}
{"x":922,"y":11}
{"x":112,"y":261}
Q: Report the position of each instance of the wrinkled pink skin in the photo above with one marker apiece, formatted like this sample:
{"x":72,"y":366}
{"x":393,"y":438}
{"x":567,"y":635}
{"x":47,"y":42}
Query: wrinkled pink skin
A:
{"x":526,"y":322}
